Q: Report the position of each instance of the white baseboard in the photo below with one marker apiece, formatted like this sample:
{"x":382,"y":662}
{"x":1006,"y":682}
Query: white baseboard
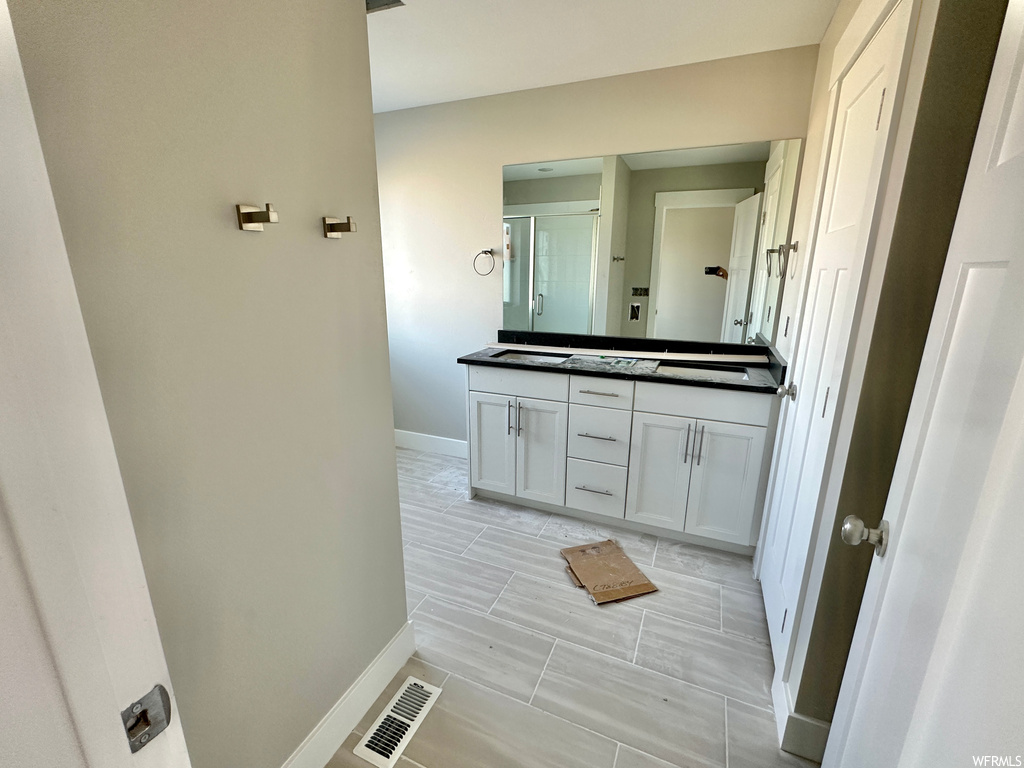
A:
{"x":330,"y":733}
{"x":798,"y":734}
{"x":417,"y":441}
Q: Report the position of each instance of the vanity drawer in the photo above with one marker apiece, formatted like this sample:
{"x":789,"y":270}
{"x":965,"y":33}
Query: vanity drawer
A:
{"x":607,"y":393}
{"x":594,"y":487}
{"x":507,"y":381}
{"x":599,"y":434}
{"x":704,"y":403}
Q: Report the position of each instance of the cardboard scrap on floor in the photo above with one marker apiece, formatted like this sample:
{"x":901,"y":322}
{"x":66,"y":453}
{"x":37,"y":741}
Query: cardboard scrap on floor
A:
{"x":605,"y":571}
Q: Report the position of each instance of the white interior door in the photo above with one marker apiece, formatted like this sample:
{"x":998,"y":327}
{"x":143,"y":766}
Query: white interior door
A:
{"x":859,"y":138}
{"x":692,"y":230}
{"x":78,"y":638}
{"x":936,"y":671}
{"x":737,"y":291}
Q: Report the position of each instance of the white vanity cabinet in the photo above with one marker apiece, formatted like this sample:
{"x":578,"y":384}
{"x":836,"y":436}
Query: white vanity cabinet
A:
{"x":518,"y":424}
{"x":695,"y":475}
{"x":688,"y":459}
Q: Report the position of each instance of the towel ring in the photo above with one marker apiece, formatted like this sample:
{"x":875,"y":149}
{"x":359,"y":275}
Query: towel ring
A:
{"x":484,"y":252}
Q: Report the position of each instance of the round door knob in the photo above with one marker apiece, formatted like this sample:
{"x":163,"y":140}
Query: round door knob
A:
{"x":854,"y":532}
{"x":737,"y":322}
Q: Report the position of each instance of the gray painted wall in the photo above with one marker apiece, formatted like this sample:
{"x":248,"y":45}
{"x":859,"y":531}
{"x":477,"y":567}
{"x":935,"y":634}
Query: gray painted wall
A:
{"x":441,"y":192}
{"x":245,"y":376}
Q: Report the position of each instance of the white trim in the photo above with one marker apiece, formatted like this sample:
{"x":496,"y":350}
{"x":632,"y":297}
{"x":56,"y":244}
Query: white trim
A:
{"x":798,"y":734}
{"x":417,"y":441}
{"x":569,"y":207}
{"x":697,"y":198}
{"x":865,"y":23}
{"x":326,"y":738}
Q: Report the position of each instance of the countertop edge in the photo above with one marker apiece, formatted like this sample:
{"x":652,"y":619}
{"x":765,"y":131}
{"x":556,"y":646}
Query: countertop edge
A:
{"x":526,"y":365}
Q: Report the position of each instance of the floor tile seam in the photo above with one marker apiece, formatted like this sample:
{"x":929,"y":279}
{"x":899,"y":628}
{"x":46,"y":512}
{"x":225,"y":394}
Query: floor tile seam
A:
{"x":485,"y":527}
{"x":418,"y":604}
{"x":566,"y":720}
{"x":542,"y":671}
{"x":618,"y":748}
{"x":724,"y":696}
{"x":456,"y":554}
{"x":583,"y":648}
{"x":687,"y":683}
{"x":712,"y":582}
{"x":564,"y":582}
{"x":639,"y":634}
{"x":721,"y":611}
{"x":768,"y":710}
{"x":486,"y":614}
{"x":496,"y":526}
{"x":723,"y":632}
{"x":512,"y":576}
{"x":727,"y":732}
{"x":484,"y":562}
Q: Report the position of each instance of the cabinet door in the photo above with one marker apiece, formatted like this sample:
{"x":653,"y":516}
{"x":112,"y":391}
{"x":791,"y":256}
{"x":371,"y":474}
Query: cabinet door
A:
{"x":724,"y":476}
{"x":540,"y":453}
{"x":659,"y":469}
{"x":492,"y":460}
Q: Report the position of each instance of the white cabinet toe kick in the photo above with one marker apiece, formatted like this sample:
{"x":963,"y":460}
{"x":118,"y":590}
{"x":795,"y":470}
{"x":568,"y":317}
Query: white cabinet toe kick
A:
{"x":683,"y":461}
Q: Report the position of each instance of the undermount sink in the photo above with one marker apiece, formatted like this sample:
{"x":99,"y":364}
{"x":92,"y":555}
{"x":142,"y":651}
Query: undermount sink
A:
{"x":533,"y":358}
{"x":728,"y":374}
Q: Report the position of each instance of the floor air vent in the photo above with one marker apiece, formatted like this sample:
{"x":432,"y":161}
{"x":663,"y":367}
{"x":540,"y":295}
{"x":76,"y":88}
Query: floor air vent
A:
{"x":390,"y":733}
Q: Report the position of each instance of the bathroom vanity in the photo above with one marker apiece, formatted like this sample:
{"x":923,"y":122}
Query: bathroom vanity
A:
{"x":676,"y":439}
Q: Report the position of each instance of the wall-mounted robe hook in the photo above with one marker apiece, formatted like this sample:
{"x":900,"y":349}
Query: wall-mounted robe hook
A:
{"x":334,"y":227}
{"x":251,"y":218}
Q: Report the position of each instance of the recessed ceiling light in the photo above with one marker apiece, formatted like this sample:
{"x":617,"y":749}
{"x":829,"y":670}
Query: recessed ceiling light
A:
{"x":545,"y":170}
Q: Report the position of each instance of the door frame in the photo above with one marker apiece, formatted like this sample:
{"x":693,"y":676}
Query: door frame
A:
{"x":798,"y":733}
{"x":60,"y":484}
{"x":933,"y":368}
{"x":665,"y":201}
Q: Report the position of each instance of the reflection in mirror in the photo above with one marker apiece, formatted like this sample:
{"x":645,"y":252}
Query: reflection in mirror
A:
{"x":683,"y":244}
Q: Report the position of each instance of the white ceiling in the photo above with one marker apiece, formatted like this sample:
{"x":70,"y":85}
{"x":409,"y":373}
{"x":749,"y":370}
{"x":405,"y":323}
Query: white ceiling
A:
{"x":432,"y":51}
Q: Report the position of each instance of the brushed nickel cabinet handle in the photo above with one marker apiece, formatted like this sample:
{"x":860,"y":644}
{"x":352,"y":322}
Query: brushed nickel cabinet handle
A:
{"x":592,"y":392}
{"x":701,"y":449}
{"x":509,"y":418}
{"x":591,"y":490}
{"x":596,"y":437}
{"x":686,"y":450}
{"x":519,"y":419}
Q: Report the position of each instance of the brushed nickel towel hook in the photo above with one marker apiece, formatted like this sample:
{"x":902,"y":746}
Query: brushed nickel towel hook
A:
{"x":334,"y":227}
{"x":251,"y":218}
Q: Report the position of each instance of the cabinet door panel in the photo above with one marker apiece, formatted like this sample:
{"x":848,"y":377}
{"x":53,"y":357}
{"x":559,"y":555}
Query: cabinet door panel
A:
{"x":540,"y":451}
{"x":724,"y":478}
{"x":659,"y":469}
{"x":492,"y":460}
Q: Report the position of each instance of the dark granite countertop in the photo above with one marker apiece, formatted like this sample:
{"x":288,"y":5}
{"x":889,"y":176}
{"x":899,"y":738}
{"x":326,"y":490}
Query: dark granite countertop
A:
{"x":759,"y":379}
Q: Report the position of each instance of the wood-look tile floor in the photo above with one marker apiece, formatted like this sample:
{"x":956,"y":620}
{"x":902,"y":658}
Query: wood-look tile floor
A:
{"x":535,"y":675}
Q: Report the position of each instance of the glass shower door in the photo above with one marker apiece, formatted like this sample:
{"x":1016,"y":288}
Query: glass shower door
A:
{"x":564,"y":250}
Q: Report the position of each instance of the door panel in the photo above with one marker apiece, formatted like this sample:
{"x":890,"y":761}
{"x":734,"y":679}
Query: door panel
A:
{"x":935,"y":672}
{"x":724,"y":477}
{"x":861,"y":128}
{"x":737,"y":295}
{"x":659,"y":469}
{"x":492,"y":464}
{"x":540,"y":450}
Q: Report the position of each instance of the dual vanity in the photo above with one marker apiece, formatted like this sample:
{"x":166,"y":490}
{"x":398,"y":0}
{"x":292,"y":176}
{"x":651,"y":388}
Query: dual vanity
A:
{"x":666,"y":436}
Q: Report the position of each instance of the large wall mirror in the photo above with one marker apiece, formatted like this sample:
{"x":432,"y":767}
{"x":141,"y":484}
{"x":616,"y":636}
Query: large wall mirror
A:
{"x":689,"y":244}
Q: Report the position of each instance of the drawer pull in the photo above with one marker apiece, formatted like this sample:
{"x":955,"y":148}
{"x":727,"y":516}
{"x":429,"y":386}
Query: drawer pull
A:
{"x":509,"y":418}
{"x":591,"y":490}
{"x":596,"y":437}
{"x":593,"y":392}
